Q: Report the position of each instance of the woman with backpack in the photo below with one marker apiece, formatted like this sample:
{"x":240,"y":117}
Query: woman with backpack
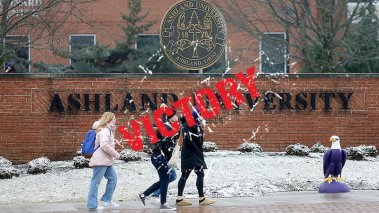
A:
{"x":161,"y":154}
{"x":102,"y":162}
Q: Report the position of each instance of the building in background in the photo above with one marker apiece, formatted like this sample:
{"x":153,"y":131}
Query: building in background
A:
{"x":100,"y":22}
{"x":271,"y":39}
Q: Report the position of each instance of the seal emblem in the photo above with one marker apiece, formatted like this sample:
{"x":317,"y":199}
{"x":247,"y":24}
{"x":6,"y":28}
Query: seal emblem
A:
{"x":193,"y":34}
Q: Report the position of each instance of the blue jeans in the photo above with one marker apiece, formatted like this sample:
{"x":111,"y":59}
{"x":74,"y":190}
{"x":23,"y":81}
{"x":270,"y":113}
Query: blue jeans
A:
{"x":160,"y":164}
{"x":98,"y":173}
{"x":172,"y":177}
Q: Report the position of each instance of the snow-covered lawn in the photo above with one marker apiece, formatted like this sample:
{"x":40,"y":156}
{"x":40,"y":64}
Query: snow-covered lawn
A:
{"x":229,"y":174}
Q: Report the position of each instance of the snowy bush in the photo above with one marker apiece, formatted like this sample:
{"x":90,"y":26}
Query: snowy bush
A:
{"x":80,"y":162}
{"x":129,"y":155}
{"x":4,"y":162}
{"x":355,"y":153}
{"x":250,"y":147}
{"x":297,"y":150}
{"x":78,"y":153}
{"x":39,"y":165}
{"x":318,"y":147}
{"x":369,"y":150}
{"x":209,"y":146}
{"x":359,"y":153}
{"x":7,"y":172}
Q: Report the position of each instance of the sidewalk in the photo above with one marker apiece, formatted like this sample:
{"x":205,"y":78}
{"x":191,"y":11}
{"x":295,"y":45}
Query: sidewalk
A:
{"x":283,"y":202}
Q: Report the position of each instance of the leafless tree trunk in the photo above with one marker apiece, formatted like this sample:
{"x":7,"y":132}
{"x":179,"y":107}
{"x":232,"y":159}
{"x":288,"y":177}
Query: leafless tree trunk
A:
{"x":40,"y":19}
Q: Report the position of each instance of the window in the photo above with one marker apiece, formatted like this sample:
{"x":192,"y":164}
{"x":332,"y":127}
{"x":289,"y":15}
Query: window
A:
{"x":273,"y":53}
{"x":219,"y":66}
{"x":18,"y":48}
{"x":150,"y":54}
{"x":148,"y":43}
{"x":78,"y":43}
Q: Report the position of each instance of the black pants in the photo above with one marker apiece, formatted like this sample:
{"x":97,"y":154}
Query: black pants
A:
{"x":160,"y":163}
{"x":199,"y":182}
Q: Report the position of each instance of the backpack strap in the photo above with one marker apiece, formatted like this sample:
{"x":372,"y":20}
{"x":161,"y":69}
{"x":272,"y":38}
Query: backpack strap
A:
{"x":109,"y":136}
{"x":110,"y":131}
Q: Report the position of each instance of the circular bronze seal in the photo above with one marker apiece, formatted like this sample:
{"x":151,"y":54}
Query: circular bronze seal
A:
{"x":193,"y":34}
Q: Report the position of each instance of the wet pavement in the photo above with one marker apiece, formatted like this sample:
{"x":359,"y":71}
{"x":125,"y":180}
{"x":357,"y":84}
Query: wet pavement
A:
{"x":282,"y":202}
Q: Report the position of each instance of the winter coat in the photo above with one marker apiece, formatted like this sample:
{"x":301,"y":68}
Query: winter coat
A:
{"x":106,"y":153}
{"x":192,"y":156}
{"x":165,"y":145}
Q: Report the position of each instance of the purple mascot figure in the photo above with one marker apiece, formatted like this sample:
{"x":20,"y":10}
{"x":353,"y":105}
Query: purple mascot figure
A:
{"x":334,"y":160}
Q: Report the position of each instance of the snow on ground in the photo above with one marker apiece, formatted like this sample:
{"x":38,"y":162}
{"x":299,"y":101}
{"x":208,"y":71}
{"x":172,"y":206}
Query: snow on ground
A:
{"x":229,"y":174}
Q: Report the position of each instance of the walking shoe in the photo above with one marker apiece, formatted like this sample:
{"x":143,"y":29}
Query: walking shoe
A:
{"x":165,"y":206}
{"x":183,"y":202}
{"x":142,"y":197}
{"x":98,"y":208}
{"x":111,"y":204}
{"x":206,"y":201}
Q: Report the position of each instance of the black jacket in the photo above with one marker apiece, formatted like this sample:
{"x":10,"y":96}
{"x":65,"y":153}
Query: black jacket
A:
{"x":165,"y":145}
{"x":192,"y":149}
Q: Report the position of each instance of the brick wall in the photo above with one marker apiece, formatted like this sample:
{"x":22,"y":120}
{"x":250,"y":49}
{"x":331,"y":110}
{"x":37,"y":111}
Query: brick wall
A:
{"x":29,"y":130}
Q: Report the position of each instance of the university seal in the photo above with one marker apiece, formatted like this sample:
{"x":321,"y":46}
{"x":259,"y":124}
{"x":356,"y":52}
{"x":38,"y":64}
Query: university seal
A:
{"x":193,"y":34}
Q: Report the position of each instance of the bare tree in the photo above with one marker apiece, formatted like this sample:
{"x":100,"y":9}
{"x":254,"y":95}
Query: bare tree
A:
{"x":38,"y":20}
{"x":319,"y":32}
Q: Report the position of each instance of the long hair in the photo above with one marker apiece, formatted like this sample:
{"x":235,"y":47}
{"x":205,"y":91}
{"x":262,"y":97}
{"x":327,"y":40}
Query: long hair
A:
{"x":104,"y":120}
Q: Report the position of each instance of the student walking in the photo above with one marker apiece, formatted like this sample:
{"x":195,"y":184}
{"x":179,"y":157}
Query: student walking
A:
{"x":171,"y":178}
{"x":192,"y":159}
{"x":161,"y":154}
{"x":102,"y":162}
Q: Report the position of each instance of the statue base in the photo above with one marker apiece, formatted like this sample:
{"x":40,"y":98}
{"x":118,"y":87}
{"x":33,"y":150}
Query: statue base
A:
{"x":334,"y":187}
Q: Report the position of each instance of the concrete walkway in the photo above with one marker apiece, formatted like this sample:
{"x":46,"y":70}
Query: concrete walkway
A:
{"x":283,"y":202}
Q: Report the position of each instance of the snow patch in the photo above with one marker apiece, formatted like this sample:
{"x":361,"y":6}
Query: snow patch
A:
{"x":209,"y":146}
{"x":318,"y":147}
{"x":39,"y":165}
{"x":297,"y":150}
{"x":250,"y":147}
{"x":230,"y":174}
{"x":129,"y":155}
{"x":80,"y":162}
{"x":4,"y":162}
{"x":7,"y":172}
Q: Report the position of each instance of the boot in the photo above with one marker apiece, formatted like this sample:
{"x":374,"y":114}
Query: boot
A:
{"x":206,"y":201}
{"x":183,"y":202}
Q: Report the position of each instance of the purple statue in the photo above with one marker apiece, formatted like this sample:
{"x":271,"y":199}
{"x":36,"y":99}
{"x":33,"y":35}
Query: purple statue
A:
{"x":334,"y":160}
